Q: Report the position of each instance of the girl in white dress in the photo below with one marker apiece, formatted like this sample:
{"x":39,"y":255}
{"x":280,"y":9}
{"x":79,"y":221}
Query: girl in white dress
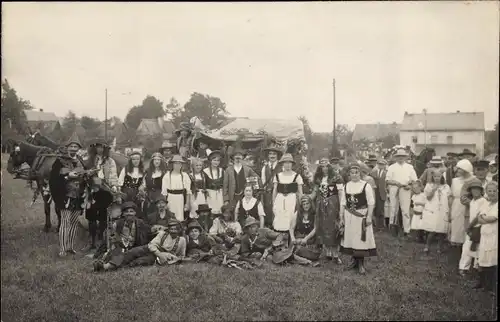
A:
{"x":249,"y":206}
{"x":215,"y":178}
{"x":198,"y":191}
{"x":458,"y":210}
{"x":356,"y":209}
{"x":287,"y":189}
{"x":176,"y":186}
{"x":418,"y":202}
{"x":488,"y":245}
{"x":436,"y":214}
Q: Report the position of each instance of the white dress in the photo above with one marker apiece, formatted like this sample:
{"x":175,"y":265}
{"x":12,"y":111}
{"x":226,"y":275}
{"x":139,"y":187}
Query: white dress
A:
{"x":458,"y":213}
{"x":176,"y":181}
{"x":351,"y":243}
{"x":284,"y":205}
{"x":198,"y":199}
{"x":215,"y":198}
{"x":435,"y":214}
{"x":465,"y":260}
{"x":488,"y":245}
{"x":418,"y":209}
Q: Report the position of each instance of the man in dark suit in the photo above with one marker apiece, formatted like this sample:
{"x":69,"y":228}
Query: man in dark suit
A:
{"x":235,"y":178}
{"x":378,"y":174}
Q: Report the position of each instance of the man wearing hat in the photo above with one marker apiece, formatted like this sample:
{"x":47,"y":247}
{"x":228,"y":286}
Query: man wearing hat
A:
{"x":399,"y":178}
{"x":269,"y":171}
{"x":235,"y":178}
{"x":493,"y":170}
{"x":70,"y":198}
{"x":378,"y":174}
{"x":435,"y":163}
{"x":451,"y":167}
{"x":372,"y":161}
{"x":167,"y":150}
{"x":160,"y":216}
{"x":256,"y":243}
{"x":481,"y":171}
{"x":130,"y":242}
{"x":169,"y":247}
{"x":466,"y":154}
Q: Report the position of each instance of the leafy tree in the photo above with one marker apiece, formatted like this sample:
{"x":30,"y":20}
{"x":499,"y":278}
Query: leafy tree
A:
{"x":209,"y":109}
{"x":89,"y":123}
{"x":151,"y":108}
{"x":69,"y":123}
{"x":390,"y":141}
{"x":12,"y":109}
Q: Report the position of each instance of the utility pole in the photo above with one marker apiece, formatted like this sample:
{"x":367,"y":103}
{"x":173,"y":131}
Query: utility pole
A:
{"x":106,"y":115}
{"x":334,"y":146}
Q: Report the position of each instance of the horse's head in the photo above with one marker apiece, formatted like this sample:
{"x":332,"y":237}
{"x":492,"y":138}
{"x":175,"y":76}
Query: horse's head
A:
{"x":426,"y":155}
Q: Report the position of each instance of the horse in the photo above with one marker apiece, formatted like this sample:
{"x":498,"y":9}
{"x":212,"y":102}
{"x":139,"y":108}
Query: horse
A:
{"x":40,"y":160}
{"x":422,"y":159}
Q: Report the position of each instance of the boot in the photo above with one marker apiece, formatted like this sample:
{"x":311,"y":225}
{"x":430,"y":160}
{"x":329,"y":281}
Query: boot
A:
{"x":353,"y":264}
{"x":361,"y":266}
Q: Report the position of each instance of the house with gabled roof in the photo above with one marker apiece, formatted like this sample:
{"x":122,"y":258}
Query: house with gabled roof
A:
{"x":155,"y":127}
{"x":445,"y":132}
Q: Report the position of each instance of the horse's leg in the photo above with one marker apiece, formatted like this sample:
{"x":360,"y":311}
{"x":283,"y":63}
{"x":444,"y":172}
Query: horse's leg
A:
{"x":46,"y":208}
{"x":58,"y":213}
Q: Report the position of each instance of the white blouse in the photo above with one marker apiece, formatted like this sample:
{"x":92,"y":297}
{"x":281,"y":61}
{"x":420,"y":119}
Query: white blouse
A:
{"x":249,"y":204}
{"x":355,"y":188}
{"x":134,"y":174}
{"x":288,"y":178}
{"x":178,"y":182}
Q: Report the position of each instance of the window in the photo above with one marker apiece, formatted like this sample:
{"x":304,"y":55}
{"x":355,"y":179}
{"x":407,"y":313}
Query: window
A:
{"x":414,"y":139}
{"x":449,"y":139}
{"x":434,"y":138}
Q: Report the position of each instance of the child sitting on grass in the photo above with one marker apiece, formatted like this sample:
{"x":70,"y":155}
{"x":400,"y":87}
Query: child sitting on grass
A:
{"x":417,"y":207}
{"x":199,"y":244}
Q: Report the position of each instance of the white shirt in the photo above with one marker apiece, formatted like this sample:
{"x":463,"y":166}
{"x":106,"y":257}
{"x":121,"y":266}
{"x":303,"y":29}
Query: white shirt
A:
{"x":272,"y":166}
{"x":237,"y":168}
{"x":418,"y":202}
{"x":402,"y":173}
{"x":176,"y":183}
{"x":288,"y":178}
{"x":249,"y":204}
{"x":475,"y":206}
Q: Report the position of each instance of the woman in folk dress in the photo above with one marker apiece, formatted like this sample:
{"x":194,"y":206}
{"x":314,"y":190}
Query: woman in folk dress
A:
{"x":198,"y":187}
{"x":436,"y":214}
{"x":132,"y":176}
{"x":287,"y":189}
{"x":176,"y":187}
{"x":153,"y":180}
{"x":303,"y":230}
{"x":214,"y":181}
{"x":357,"y":206}
{"x":249,"y":206}
{"x":459,"y":210}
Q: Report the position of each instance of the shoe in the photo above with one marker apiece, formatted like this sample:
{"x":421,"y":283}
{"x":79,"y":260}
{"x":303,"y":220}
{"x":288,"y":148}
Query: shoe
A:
{"x":337,"y":260}
{"x":71,"y":252}
{"x":63,"y":254}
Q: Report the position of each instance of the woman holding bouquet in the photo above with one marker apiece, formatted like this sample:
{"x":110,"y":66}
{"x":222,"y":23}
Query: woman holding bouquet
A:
{"x":328,"y":187}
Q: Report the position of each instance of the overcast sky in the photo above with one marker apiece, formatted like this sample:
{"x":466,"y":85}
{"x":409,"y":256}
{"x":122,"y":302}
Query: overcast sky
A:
{"x":274,"y":60}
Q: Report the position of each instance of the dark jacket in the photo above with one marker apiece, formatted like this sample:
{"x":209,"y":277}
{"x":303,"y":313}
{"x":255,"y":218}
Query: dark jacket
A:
{"x":142,"y":231}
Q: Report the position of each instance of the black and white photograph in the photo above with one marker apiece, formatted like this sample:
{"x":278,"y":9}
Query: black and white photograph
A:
{"x":249,"y":161}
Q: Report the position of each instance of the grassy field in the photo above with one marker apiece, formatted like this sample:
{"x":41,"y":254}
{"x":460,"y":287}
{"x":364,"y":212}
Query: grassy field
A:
{"x":401,"y":283}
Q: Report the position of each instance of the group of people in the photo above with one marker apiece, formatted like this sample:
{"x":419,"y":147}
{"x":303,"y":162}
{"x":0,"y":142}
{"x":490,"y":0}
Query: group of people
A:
{"x":172,"y":211}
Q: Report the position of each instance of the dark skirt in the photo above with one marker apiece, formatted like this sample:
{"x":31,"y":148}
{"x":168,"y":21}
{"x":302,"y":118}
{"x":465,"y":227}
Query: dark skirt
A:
{"x":327,"y":214}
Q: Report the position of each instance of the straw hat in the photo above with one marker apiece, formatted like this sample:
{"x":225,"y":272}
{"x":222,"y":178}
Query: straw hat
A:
{"x":401,"y":153}
{"x":436,"y":160}
{"x":287,"y":157}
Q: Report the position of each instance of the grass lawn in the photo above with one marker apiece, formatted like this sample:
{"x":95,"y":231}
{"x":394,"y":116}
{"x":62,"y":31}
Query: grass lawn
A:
{"x":401,"y":283}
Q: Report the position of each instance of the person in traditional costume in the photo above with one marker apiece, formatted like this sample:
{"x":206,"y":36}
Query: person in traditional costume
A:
{"x":357,"y":206}
{"x":435,"y":163}
{"x":460,"y":202}
{"x":378,"y":174}
{"x":287,"y":190}
{"x":168,"y":151}
{"x":336,"y":164}
{"x":436,"y":213}
{"x":303,"y":230}
{"x":130,"y":240}
{"x":481,"y":168}
{"x":256,"y":243}
{"x":176,"y":186}
{"x":372,"y":161}
{"x":131,"y":177}
{"x":226,"y":231}
{"x":418,"y":201}
{"x":159,"y":217}
{"x":492,"y":171}
{"x":328,"y":188}
{"x":268,"y":172}
{"x":249,"y":206}
{"x":199,"y":244}
{"x":365,"y":176}
{"x":184,"y":140}
{"x":205,"y":217}
{"x":235,"y":178}
{"x":202,"y":151}
{"x":169,"y":246}
{"x":153,"y":180}
{"x":469,"y":248}
{"x":467,"y":154}
{"x":488,"y":244}
{"x":70,"y":199}
{"x":214,"y":182}
{"x":97,"y":213}
{"x":199,"y":191}
{"x":399,"y":178}
{"x":451,"y":167}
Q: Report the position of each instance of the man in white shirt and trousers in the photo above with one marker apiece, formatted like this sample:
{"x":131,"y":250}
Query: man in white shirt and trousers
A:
{"x":269,"y":171}
{"x":399,"y":178}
